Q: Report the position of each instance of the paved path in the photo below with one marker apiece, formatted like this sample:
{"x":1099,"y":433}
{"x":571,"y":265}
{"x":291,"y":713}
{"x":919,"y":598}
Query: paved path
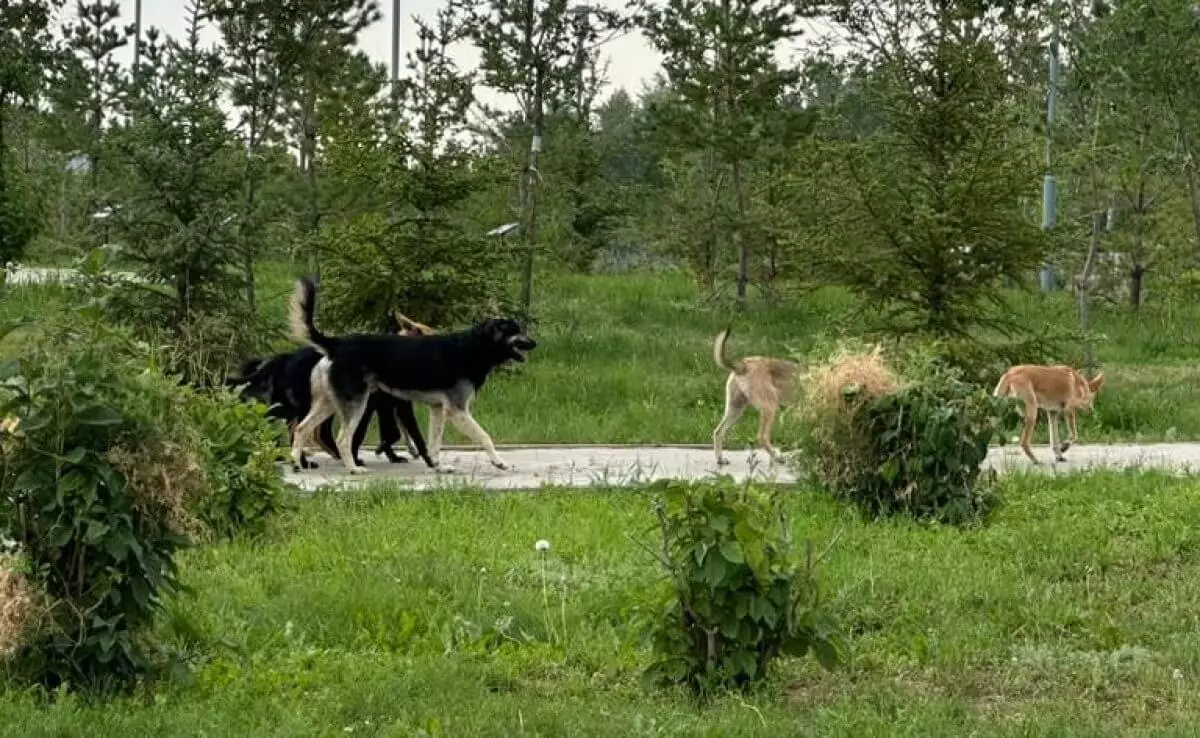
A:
{"x":585,"y":466}
{"x":22,"y":275}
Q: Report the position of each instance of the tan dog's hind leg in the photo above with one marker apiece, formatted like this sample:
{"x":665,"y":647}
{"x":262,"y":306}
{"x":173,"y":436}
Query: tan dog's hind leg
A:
{"x":735,"y":405}
{"x":464,"y":422}
{"x":1052,"y":421}
{"x":1031,"y":413}
{"x":766,"y":420}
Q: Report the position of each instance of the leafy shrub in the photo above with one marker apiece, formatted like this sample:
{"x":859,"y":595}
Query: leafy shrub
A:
{"x":740,"y":599}
{"x":108,"y":467}
{"x":97,"y":492}
{"x":18,"y":216}
{"x":241,"y":451}
{"x":915,"y":447}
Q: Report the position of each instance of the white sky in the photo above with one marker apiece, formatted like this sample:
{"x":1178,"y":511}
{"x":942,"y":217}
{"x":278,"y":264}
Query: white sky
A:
{"x":631,"y":60}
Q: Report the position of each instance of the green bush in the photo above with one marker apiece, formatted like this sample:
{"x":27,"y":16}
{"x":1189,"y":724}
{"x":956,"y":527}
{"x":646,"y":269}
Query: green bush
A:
{"x":740,"y":596}
{"x":241,"y":452}
{"x":913,"y":444}
{"x":108,"y":468}
{"x":98,"y":483}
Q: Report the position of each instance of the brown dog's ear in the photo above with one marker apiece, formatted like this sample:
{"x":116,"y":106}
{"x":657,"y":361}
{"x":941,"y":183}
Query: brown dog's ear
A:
{"x":408,"y":325}
{"x":1096,"y":383}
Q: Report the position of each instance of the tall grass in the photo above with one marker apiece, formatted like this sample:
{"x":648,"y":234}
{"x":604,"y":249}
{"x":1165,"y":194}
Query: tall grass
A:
{"x":627,"y":359}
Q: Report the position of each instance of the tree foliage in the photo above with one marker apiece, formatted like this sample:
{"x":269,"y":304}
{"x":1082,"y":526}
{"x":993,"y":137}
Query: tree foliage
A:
{"x":175,"y":205}
{"x":922,"y":217}
{"x":405,"y":243}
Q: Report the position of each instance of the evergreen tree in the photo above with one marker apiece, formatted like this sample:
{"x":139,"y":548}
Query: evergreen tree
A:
{"x":181,"y":177}
{"x":406,"y":244}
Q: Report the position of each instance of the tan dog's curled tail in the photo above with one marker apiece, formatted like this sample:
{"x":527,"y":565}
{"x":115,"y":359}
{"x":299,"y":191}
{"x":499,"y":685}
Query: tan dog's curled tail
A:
{"x":1003,"y":387}
{"x":737,"y":367}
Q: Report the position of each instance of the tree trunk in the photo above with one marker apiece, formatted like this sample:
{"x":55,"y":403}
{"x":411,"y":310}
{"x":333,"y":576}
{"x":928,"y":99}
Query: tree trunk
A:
{"x":743,"y":251}
{"x":531,"y":197}
{"x":1083,"y":287}
{"x":309,"y":153}
{"x":1135,"y":285}
{"x":1083,"y":283}
{"x":1193,"y":183}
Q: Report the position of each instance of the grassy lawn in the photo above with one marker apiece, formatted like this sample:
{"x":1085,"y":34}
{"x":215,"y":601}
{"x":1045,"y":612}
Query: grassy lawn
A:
{"x":380,"y":613}
{"x":628,"y":359}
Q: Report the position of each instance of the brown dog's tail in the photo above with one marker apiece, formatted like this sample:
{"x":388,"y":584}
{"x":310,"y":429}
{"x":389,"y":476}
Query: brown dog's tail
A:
{"x":737,"y":367}
{"x":300,"y":314}
{"x":1004,"y":386}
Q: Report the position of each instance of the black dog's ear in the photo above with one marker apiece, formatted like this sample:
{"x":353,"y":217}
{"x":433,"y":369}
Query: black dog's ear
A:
{"x":494,"y":327}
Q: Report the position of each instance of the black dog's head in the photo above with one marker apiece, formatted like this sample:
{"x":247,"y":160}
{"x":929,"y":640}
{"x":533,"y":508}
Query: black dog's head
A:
{"x":257,"y":386}
{"x":508,"y":337}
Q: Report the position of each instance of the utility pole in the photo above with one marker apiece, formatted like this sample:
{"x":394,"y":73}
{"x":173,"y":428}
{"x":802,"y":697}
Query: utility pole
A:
{"x":395,"y":42}
{"x":137,"y":34}
{"x":1049,"y":183}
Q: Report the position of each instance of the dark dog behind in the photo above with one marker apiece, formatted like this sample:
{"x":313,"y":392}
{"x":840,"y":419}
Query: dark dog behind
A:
{"x":443,"y":371}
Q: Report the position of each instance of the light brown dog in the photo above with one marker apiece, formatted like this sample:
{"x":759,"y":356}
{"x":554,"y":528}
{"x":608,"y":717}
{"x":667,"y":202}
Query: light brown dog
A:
{"x":1056,"y":389}
{"x":763,"y":382}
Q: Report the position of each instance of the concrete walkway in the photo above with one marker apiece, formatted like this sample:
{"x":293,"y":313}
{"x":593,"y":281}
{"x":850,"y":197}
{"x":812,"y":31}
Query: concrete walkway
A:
{"x":586,"y":466}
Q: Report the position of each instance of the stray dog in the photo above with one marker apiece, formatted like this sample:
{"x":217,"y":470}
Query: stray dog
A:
{"x":444,"y":371}
{"x":763,"y":382}
{"x":284,"y":382}
{"x":1057,"y":389}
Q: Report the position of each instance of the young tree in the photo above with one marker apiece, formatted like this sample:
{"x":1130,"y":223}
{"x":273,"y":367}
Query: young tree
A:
{"x":403,"y":241}
{"x":1157,"y":46}
{"x":93,"y":38}
{"x":922,"y":217}
{"x":719,"y":58}
{"x":27,"y":52}
{"x":258,"y":40}
{"x":321,"y":45}
{"x":175,"y":205}
{"x":531,"y":50}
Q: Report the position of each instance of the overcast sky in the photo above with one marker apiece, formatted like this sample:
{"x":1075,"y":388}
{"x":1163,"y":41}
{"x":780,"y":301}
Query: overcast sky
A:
{"x":631,"y":60}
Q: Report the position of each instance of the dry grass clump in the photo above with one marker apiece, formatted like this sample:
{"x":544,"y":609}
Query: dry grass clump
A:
{"x":20,"y":607}
{"x":835,"y":447}
{"x":850,"y":378}
{"x":164,"y":479}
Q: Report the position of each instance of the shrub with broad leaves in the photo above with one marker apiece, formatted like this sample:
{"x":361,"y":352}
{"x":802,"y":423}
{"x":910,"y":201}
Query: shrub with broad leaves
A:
{"x":741,"y":597}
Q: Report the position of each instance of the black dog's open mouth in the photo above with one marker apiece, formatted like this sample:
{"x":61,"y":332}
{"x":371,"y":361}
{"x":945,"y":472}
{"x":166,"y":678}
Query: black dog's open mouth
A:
{"x":520,"y":346}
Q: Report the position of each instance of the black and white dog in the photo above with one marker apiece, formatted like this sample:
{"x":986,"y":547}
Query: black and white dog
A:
{"x":284,"y":383}
{"x":443,"y":371}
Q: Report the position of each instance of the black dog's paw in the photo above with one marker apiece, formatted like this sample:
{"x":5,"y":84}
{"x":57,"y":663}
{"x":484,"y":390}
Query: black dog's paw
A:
{"x":391,"y":455}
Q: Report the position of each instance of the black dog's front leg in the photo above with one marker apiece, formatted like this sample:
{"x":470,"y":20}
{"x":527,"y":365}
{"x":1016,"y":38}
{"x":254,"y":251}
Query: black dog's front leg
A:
{"x":404,"y":411}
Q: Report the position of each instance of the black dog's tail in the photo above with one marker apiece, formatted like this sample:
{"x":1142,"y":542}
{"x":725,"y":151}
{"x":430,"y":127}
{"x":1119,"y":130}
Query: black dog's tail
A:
{"x":304,"y":305}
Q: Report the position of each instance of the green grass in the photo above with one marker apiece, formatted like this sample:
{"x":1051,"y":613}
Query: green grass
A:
{"x":627,"y":359}
{"x":382,"y":614}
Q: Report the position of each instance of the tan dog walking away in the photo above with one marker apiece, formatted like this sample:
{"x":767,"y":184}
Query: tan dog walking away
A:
{"x":761,"y":381}
{"x":1056,"y":389}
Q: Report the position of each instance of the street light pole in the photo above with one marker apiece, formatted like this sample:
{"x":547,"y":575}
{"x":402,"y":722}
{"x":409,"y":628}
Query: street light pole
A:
{"x":1049,"y":183}
{"x":395,"y":42}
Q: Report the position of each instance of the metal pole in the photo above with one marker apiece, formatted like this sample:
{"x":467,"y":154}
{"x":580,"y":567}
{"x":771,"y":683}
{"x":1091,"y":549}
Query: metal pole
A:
{"x":1049,"y":183}
{"x":395,"y":41}
{"x":137,"y":34}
